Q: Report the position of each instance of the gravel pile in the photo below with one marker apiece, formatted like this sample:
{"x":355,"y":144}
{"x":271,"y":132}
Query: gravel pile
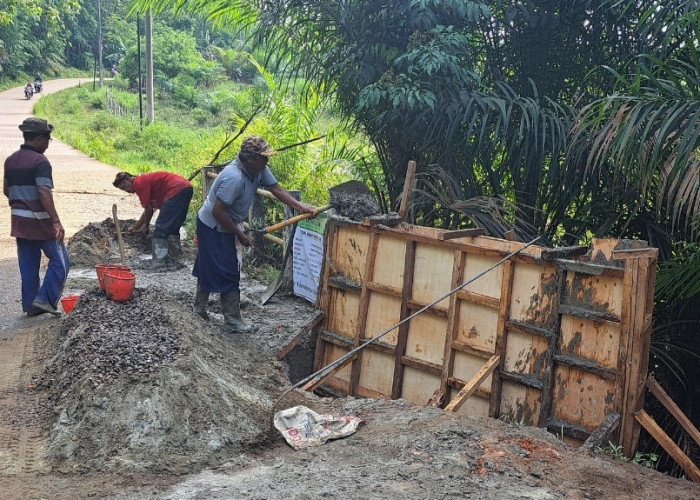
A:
{"x":109,"y":339}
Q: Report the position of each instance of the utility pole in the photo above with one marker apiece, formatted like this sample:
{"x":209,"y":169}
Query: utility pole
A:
{"x":99,"y":38}
{"x":149,"y":67}
{"x":138,"y":63}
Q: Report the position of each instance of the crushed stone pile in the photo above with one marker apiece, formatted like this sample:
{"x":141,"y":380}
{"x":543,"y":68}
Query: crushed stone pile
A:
{"x":111,"y":339}
{"x":144,"y":387}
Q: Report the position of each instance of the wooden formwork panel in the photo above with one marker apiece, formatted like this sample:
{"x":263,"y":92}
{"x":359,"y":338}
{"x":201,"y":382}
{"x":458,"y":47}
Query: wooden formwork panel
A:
{"x":582,"y":398}
{"x":568,"y":337}
{"x":598,"y":341}
{"x":519,"y":403}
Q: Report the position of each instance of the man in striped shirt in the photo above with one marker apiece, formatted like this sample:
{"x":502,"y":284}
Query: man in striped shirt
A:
{"x":28,"y":184}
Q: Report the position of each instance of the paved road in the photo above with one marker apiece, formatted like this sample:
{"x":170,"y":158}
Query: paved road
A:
{"x":83,"y":191}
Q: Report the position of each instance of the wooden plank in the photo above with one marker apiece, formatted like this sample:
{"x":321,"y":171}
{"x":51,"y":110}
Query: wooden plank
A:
{"x":479,"y":392}
{"x":448,"y":357}
{"x":467,"y":349}
{"x":529,"y":329}
{"x":386,"y":289}
{"x":362,"y":312}
{"x":553,"y":343}
{"x":324,"y":292}
{"x":637,"y":353}
{"x":601,"y":435}
{"x":562,"y":427}
{"x":667,"y":444}
{"x":477,"y":298}
{"x":402,"y":339}
{"x":460,"y":233}
{"x":563,"y":252}
{"x":590,"y":314}
{"x":317,"y":318}
{"x":673,"y":408}
{"x":422,"y":365}
{"x":407,"y":193}
{"x":590,"y":269}
{"x":532,"y":381}
{"x":437,"y":310}
{"x":501,"y":336}
{"x":585,"y":364}
{"x":473,"y":383}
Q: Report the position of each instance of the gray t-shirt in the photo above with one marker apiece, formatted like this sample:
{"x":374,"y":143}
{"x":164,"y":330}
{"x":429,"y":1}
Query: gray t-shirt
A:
{"x":235,"y":188}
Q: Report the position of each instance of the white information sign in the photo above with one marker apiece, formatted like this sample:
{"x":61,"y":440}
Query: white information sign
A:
{"x":308,"y":256}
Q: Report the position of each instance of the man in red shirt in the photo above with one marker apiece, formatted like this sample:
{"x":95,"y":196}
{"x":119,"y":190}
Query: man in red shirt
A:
{"x":171,"y":194}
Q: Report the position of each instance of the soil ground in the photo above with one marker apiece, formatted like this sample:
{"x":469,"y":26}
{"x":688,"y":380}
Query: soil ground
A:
{"x":143,"y":399}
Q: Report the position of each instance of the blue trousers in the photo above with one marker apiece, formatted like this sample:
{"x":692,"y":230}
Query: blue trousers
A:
{"x":29,"y":259}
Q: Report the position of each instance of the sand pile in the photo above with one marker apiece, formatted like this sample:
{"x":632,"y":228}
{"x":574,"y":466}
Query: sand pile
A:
{"x":143,"y":386}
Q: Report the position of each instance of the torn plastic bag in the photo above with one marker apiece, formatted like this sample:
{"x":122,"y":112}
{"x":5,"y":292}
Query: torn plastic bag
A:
{"x":303,"y":427}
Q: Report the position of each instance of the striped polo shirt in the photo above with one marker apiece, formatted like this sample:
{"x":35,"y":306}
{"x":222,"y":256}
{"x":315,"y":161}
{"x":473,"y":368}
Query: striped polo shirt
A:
{"x":24,"y":171}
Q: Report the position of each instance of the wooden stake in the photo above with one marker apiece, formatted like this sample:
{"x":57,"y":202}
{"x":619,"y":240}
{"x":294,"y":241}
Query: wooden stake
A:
{"x":667,"y":444}
{"x":407,"y":193}
{"x":471,"y":386}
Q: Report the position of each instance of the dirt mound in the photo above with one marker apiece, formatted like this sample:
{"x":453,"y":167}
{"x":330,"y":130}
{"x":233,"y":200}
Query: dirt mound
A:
{"x":97,"y":243}
{"x":142,"y":386}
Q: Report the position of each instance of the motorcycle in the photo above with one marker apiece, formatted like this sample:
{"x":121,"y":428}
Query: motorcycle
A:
{"x":28,"y":92}
{"x":37,"y":86}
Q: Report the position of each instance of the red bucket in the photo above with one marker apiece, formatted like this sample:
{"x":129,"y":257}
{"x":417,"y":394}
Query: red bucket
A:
{"x":119,"y":284}
{"x":68,"y":302}
{"x":101,"y":268}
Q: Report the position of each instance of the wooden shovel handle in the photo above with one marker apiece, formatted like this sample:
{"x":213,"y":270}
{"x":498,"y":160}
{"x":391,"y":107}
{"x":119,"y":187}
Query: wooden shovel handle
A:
{"x":119,"y":234}
{"x":296,"y":218}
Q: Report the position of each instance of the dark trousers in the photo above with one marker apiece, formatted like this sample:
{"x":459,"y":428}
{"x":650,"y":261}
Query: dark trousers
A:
{"x":172,"y":214}
{"x":216,"y":264}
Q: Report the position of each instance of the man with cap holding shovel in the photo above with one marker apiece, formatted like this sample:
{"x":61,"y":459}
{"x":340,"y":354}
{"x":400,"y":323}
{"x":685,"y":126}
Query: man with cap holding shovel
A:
{"x":220,"y":228}
{"x":28,"y":185}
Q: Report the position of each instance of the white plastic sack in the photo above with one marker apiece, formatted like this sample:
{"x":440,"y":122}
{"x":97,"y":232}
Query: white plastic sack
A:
{"x":303,"y":427}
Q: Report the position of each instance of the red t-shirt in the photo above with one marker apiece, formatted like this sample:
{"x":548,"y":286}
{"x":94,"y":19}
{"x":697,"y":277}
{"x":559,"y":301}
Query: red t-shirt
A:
{"x":156,"y":187}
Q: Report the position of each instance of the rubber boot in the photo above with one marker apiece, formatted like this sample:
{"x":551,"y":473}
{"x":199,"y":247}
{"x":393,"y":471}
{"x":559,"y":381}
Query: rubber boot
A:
{"x":231,"y":307}
{"x":174,"y":251}
{"x":200,"y":303}
{"x":159,"y":252}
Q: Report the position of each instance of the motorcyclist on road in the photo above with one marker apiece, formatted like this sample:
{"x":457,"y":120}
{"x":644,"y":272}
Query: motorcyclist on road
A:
{"x":29,"y":89}
{"x":38,"y":83}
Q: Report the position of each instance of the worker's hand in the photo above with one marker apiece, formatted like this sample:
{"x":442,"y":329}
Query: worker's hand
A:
{"x":303,"y":208}
{"x":58,"y":232}
{"x":245,"y":240}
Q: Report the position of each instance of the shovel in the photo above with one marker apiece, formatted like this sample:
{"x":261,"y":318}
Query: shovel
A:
{"x":349,"y":189}
{"x":352,"y":188}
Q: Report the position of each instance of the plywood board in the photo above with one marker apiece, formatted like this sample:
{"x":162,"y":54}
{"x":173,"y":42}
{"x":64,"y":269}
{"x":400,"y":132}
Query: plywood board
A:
{"x":426,"y":338}
{"x":333,"y":352}
{"x":598,"y":341}
{"x":383,"y":312}
{"x":532,"y":294}
{"x":432,"y":274}
{"x":475,"y":407}
{"x":466,"y":365}
{"x":477,"y":326}
{"x":351,"y":254}
{"x":419,"y":386}
{"x":377,"y":371}
{"x":581,"y":398}
{"x":599,"y":293}
{"x":525,"y":354}
{"x":519,"y":404}
{"x":388,"y":270}
{"x":342,"y":316}
{"x":490,"y":283}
